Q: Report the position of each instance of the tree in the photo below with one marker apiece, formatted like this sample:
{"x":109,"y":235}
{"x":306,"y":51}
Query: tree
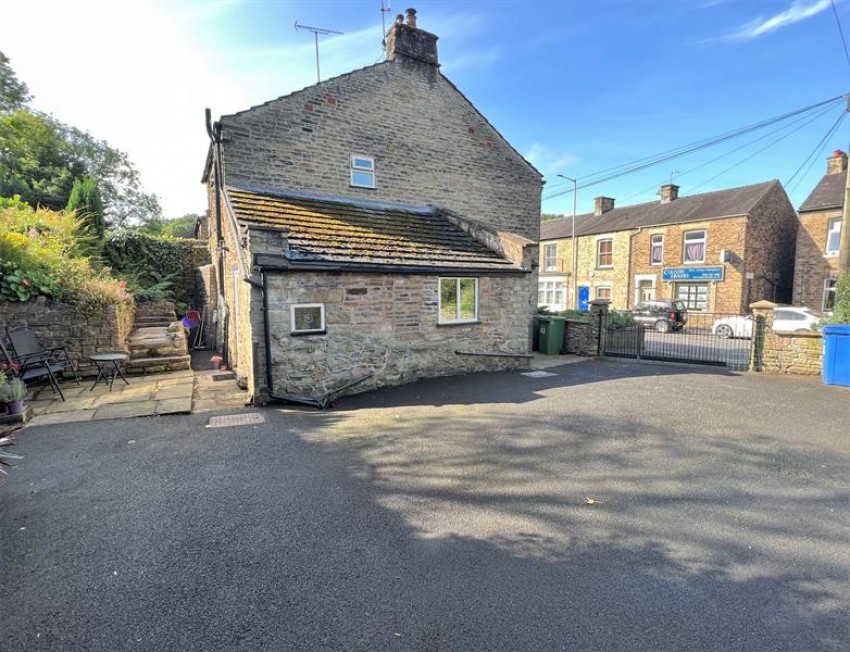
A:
{"x":178,"y":227}
{"x":545,"y":217}
{"x":13,"y":92}
{"x":41,"y":157}
{"x":85,"y":200}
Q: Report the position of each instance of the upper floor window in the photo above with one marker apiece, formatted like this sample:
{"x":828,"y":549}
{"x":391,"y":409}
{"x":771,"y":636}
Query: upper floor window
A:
{"x":605,"y":253}
{"x":362,"y":171}
{"x":550,"y":257}
{"x":458,"y":300}
{"x":656,"y":249}
{"x":693,"y":250}
{"x":833,"y":237}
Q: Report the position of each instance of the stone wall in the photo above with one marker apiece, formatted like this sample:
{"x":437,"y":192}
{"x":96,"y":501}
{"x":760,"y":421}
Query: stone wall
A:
{"x":60,"y":325}
{"x":429,"y":144}
{"x":584,"y":337}
{"x":812,"y":266}
{"x":386,"y":325}
{"x":783,"y":353}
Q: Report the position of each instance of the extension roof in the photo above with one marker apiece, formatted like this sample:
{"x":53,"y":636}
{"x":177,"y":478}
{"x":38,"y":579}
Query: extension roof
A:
{"x":694,"y":208}
{"x":323,"y":231}
{"x":827,"y":195}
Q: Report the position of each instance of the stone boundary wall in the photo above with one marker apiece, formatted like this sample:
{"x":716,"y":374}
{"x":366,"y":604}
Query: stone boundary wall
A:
{"x":783,"y":353}
{"x":582,"y":337}
{"x":60,"y":325}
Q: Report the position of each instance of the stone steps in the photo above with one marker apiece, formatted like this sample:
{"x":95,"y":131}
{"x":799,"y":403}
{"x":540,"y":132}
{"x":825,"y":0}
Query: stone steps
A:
{"x":158,"y":365}
{"x":158,"y":343}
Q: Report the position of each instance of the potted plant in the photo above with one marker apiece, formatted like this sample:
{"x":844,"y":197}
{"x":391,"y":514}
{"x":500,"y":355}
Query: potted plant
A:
{"x":13,"y":394}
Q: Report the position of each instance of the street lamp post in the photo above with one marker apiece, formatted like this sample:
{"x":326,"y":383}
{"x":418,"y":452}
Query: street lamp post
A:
{"x":573,"y":298}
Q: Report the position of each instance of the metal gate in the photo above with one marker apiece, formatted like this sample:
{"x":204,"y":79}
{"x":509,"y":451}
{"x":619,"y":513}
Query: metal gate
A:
{"x":707,"y":338}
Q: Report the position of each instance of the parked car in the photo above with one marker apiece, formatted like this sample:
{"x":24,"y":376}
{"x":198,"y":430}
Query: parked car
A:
{"x":662,"y":314}
{"x":785,"y":318}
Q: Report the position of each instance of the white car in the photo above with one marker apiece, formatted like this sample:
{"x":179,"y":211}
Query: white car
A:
{"x":785,"y":319}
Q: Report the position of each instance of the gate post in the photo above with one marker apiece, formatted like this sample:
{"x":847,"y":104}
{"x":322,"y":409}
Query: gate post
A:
{"x":598,"y":323}
{"x":762,"y":326}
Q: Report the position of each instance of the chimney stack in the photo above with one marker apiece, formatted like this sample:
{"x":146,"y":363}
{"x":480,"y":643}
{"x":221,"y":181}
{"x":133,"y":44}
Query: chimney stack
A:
{"x":669,"y":192}
{"x":836,"y":163}
{"x":603,"y":205}
{"x":406,"y":42}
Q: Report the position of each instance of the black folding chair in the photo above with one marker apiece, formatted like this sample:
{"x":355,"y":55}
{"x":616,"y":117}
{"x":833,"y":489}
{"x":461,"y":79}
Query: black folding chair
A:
{"x":37,"y":363}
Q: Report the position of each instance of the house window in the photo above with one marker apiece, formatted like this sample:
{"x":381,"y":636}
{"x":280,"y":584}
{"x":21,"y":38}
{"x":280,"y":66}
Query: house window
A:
{"x":694,"y":247}
{"x":603,"y":292}
{"x":656,"y":250}
{"x":307,"y":318}
{"x":605,"y":253}
{"x":644,"y":290}
{"x":695,"y":295}
{"x":458,"y":300}
{"x":362,"y":171}
{"x":829,"y":295}
{"x":833,"y":237}
{"x":551,"y":294}
{"x":550,"y":257}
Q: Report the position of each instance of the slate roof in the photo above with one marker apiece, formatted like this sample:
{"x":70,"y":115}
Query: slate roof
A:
{"x":828,"y":194}
{"x":328,"y":231}
{"x":693,"y":208}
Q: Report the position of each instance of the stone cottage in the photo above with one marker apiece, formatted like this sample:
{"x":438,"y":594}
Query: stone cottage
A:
{"x":370,"y":230}
{"x":716,"y":251}
{"x":816,"y":266}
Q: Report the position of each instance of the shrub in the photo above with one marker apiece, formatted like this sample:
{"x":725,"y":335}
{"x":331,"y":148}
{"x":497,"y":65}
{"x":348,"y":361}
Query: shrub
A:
{"x":841,"y":312}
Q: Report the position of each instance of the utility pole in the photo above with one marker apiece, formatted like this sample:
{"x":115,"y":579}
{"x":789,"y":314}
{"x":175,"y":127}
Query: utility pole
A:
{"x":844,"y":242}
{"x":573,"y":266}
{"x":316,"y":31}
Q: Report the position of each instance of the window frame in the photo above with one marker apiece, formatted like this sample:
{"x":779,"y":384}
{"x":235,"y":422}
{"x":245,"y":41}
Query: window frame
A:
{"x":441,"y":321}
{"x":552,"y":288}
{"x":608,"y":287}
{"x":833,"y":228}
{"x":692,"y":297}
{"x":652,"y":247}
{"x":599,"y":253}
{"x":307,"y":331}
{"x":359,"y":169}
{"x":827,"y":291}
{"x":703,"y":240}
{"x":553,"y":247}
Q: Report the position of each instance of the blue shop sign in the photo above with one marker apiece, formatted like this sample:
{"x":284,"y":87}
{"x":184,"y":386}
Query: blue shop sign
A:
{"x":692,"y":273}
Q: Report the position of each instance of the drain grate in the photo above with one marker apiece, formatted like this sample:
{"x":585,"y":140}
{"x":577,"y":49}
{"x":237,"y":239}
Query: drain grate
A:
{"x":228,"y":420}
{"x":228,"y":376}
{"x":538,"y":374}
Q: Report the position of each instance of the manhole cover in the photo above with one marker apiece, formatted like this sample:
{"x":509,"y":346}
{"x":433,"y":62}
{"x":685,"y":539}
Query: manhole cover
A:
{"x":249,"y":419}
{"x":538,"y":374}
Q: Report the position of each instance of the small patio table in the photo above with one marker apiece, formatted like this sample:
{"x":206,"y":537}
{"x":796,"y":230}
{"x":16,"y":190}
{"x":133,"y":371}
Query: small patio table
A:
{"x":102,"y":361}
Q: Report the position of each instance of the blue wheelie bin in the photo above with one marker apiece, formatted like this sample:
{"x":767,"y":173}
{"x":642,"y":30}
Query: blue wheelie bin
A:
{"x":836,"y":354}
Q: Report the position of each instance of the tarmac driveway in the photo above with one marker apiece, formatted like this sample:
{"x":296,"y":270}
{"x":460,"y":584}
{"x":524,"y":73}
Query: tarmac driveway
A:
{"x":609,"y":507}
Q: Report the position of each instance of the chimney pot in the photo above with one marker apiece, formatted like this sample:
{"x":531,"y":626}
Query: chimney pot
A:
{"x":411,"y":17}
{"x":836,"y":163}
{"x":603,"y":205}
{"x":399,"y":19}
{"x":669,"y":192}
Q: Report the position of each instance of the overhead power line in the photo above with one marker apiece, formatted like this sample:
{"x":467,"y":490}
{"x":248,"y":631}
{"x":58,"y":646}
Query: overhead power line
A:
{"x":813,"y":156}
{"x":840,"y":32}
{"x":678,"y":152}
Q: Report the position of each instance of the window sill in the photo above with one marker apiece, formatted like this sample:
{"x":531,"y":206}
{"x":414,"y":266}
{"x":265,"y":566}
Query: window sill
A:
{"x":830,"y":254}
{"x":307,"y":333}
{"x":693,"y":262}
{"x":354,"y":185}
{"x":603,"y":267}
{"x":458,"y":323}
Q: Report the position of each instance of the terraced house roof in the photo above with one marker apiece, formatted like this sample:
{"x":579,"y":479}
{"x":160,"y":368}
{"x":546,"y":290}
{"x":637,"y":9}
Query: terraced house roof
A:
{"x":693,"y":208}
{"x":326,"y":231}
{"x":827,"y":195}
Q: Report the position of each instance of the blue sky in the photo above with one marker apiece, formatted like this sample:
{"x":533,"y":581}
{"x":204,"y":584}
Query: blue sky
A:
{"x":577,"y":87}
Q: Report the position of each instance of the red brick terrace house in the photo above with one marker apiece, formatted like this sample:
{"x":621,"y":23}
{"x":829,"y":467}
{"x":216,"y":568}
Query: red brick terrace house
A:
{"x":818,"y":237}
{"x":371,"y":230}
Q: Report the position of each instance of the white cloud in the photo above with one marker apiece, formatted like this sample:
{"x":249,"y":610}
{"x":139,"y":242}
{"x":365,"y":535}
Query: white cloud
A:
{"x":762,"y":25}
{"x":549,"y":161}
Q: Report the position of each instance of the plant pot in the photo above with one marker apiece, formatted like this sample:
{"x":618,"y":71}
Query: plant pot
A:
{"x":16,"y":407}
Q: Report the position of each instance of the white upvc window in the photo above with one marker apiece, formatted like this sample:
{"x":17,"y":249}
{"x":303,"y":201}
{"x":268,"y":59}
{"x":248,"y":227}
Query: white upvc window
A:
{"x":605,"y":253}
{"x":458,"y":300}
{"x":550,"y":257}
{"x":550,"y":294}
{"x":656,"y":249}
{"x":833,"y":237}
{"x":307,"y":318}
{"x":362,"y":171}
{"x":829,"y":295}
{"x":693,"y":250}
